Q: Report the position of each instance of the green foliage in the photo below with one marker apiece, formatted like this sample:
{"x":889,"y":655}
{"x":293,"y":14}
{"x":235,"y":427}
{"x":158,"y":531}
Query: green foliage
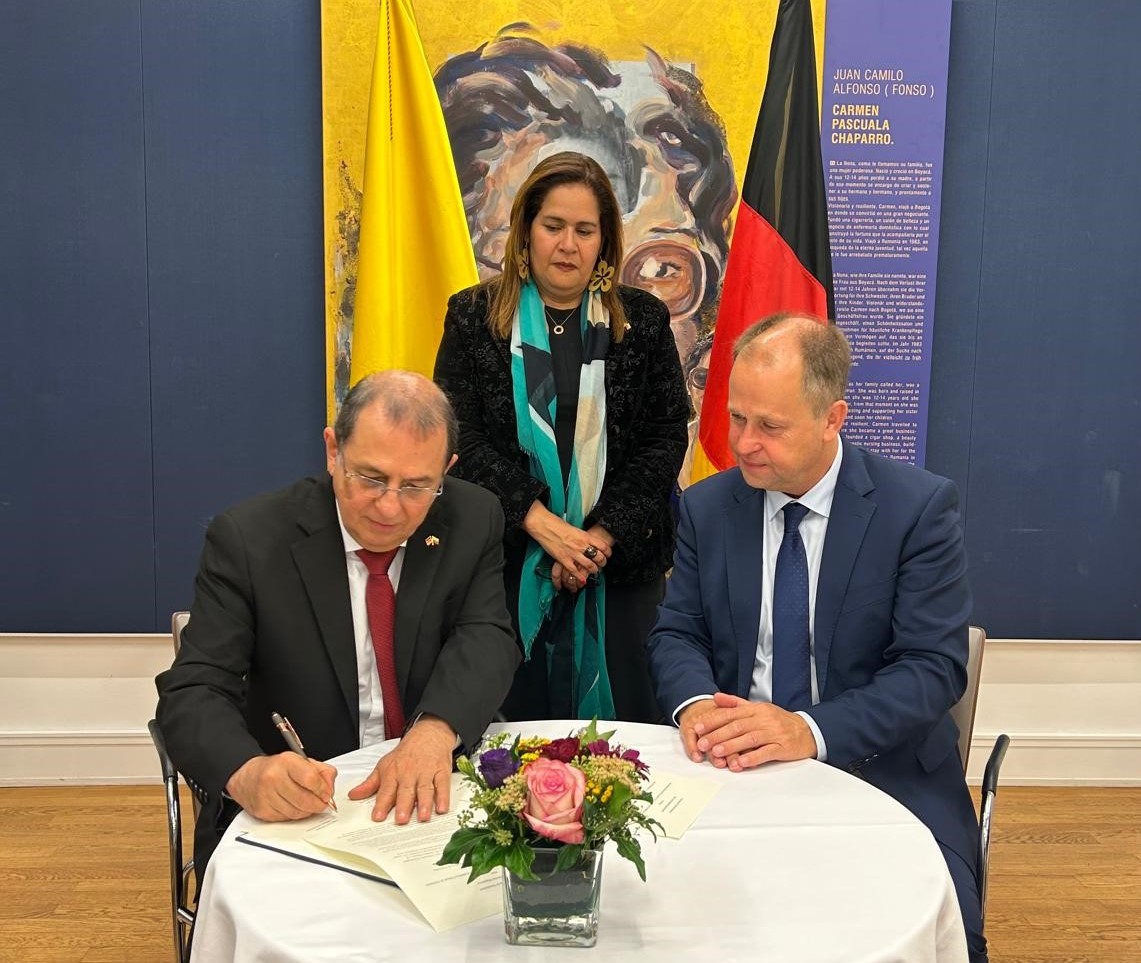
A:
{"x":459,"y":847}
{"x":591,"y":734}
{"x":519,"y":858}
{"x":568,"y":856}
{"x":629,"y":847}
{"x":620,"y":795}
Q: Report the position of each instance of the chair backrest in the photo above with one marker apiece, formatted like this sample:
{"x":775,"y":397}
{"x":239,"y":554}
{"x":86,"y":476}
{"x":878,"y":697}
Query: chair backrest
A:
{"x":963,"y":712}
{"x":177,"y":624}
{"x":182,"y":896}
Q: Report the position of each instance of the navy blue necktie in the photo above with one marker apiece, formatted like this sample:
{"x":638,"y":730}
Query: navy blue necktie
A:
{"x":792,"y":679}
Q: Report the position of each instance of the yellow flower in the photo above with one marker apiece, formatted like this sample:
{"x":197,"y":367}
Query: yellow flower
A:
{"x":607,"y":770}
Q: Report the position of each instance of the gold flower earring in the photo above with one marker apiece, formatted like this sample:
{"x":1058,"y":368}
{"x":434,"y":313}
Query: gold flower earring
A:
{"x":524,"y":264}
{"x":603,"y":277}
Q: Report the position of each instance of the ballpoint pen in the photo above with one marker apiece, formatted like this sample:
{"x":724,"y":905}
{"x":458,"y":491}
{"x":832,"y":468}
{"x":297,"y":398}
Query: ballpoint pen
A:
{"x":293,"y":741}
{"x":289,"y":734}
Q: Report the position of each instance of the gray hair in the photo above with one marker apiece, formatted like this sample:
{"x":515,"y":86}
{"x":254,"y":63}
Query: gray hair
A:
{"x":406,"y":398}
{"x":823,"y":350}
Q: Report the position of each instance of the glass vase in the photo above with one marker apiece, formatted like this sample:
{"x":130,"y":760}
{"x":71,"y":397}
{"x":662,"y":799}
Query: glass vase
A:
{"x":557,"y":909}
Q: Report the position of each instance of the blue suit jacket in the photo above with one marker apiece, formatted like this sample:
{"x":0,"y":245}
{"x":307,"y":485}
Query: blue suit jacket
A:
{"x":892,"y":607}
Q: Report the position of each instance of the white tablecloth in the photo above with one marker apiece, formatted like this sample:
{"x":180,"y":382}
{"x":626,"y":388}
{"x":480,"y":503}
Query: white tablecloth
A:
{"x":790,"y":863}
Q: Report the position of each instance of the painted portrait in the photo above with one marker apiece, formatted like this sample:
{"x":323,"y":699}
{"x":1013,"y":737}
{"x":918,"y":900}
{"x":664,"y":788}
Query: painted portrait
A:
{"x":667,"y":106}
{"x":513,"y":101}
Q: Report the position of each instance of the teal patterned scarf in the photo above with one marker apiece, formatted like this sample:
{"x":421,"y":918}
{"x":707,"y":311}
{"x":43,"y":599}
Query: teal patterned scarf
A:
{"x":576,"y":639}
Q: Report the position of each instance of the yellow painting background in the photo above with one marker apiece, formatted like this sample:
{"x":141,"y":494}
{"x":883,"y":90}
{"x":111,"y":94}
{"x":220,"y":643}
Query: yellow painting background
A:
{"x":724,"y":42}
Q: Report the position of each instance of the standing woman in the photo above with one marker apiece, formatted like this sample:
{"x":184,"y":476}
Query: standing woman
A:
{"x":572,"y":410}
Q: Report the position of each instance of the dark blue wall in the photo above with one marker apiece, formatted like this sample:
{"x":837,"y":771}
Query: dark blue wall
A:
{"x":1036,"y":396}
{"x":162,"y":332}
{"x":161,"y":327}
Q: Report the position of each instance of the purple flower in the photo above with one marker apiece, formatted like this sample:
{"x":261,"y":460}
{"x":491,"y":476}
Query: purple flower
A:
{"x":496,"y":765}
{"x":631,"y":755}
{"x":600,"y":747}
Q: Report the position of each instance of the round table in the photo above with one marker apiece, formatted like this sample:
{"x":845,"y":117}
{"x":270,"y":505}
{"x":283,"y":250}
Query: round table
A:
{"x":790,"y":862}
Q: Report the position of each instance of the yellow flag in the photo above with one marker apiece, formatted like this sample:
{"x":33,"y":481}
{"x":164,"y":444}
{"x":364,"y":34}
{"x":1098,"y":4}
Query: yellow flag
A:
{"x":415,"y":249}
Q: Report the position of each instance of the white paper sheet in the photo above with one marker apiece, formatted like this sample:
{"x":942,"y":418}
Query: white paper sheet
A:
{"x":408,"y":855}
{"x":678,"y":800}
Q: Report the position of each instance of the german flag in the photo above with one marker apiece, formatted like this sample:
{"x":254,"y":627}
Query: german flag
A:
{"x":779,"y":258}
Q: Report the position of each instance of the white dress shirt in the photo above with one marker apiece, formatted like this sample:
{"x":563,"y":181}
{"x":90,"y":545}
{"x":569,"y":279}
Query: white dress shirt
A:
{"x":369,"y":700}
{"x":813,"y":528}
{"x":818,"y":501}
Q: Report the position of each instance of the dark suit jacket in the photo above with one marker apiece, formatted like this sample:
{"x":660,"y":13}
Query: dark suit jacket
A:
{"x":890,"y":630}
{"x":271,"y":631}
{"x":646,"y":438}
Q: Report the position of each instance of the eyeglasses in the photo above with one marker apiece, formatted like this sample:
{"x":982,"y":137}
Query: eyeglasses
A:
{"x":698,"y":377}
{"x":375,"y":488}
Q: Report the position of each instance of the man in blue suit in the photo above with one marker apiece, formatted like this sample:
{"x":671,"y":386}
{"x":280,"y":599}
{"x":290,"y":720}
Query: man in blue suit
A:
{"x":818,"y":604}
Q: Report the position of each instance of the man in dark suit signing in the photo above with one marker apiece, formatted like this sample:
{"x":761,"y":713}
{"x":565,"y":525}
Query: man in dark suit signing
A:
{"x":818,"y":604}
{"x":364,"y":606}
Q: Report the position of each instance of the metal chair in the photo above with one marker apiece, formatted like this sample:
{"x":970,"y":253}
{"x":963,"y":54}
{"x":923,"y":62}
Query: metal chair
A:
{"x":986,"y":811}
{"x":963,"y":712}
{"x":183,"y":898}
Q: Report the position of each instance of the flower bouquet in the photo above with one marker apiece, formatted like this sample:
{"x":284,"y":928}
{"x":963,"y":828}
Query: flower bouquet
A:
{"x":542,"y":809}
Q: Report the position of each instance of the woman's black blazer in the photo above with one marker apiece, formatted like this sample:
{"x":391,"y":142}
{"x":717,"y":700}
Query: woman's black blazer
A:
{"x":646,"y":415}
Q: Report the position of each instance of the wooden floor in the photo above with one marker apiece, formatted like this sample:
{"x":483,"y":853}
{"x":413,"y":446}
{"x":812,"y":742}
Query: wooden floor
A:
{"x":1065,"y":876}
{"x":83,"y":876}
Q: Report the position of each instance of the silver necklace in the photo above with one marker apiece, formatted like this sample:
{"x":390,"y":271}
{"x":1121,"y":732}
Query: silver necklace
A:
{"x":557,"y":327}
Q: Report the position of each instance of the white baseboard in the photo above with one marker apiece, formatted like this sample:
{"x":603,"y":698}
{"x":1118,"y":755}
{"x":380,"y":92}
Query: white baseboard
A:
{"x":1060,"y":759}
{"x":1072,"y":710}
{"x":74,"y":710}
{"x":52,"y":758}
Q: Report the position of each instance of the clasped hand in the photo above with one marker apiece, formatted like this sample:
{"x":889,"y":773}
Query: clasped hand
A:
{"x":576,"y":554}
{"x":733,"y":733}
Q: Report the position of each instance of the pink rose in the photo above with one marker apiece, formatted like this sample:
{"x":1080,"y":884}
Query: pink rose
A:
{"x":554,"y":800}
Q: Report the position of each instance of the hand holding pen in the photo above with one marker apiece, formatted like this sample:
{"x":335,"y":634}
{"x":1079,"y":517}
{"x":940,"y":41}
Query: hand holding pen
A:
{"x":293,"y":741}
{"x":284,"y":786}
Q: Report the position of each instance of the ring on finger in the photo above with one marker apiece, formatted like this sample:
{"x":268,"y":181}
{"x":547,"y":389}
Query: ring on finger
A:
{"x":590,"y":552}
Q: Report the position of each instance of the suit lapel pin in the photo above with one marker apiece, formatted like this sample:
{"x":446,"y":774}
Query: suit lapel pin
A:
{"x":431,"y":541}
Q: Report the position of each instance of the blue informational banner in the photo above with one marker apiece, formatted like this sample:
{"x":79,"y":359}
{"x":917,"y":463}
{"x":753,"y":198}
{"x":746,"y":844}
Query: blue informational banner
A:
{"x":882,"y":127}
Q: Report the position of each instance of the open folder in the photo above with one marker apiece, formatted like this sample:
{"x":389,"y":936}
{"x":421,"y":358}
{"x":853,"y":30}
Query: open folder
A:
{"x":401,"y":856}
{"x":300,"y":849}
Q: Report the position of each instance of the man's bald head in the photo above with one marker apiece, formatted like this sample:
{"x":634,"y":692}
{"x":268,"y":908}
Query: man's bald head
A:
{"x":818,"y":346}
{"x":406,"y":399}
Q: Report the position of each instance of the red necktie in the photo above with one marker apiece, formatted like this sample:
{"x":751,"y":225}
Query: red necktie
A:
{"x":380,"y":600}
